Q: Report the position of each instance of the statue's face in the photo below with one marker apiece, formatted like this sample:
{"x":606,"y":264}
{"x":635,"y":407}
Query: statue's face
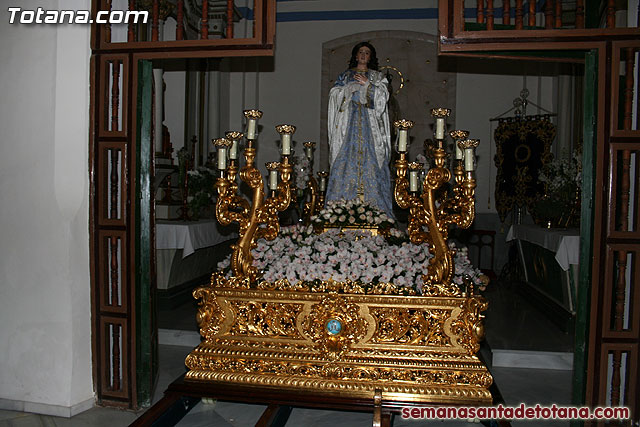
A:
{"x":363,"y":56}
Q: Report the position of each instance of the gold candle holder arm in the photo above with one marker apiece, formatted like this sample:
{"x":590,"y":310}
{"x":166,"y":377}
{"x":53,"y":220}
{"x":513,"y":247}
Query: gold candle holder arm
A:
{"x":268,"y":214}
{"x":230,"y":206}
{"x":440,"y":272}
{"x":460,"y":210}
{"x":311,"y":205}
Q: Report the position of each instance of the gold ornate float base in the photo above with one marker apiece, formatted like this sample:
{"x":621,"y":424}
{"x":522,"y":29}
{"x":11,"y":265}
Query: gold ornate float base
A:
{"x":413,"y":348}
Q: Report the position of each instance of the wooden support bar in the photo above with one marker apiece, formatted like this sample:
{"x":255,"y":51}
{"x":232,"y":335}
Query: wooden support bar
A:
{"x":579,"y":13}
{"x":113,"y":270}
{"x":115,"y":360}
{"x":480,"y":16}
{"x":489,"y":15}
{"x":628,"y":88}
{"x":115,"y":95}
{"x":548,"y":15}
{"x":230,"y":19}
{"x":155,"y":21}
{"x":180,"y":19}
{"x":131,"y":30}
{"x":204,"y":34}
{"x":532,"y":13}
{"x":506,"y":12}
{"x":611,"y":13}
{"x":274,"y":416}
{"x":113,"y":209}
{"x":519,"y":15}
{"x":107,"y":27}
{"x":377,"y":408}
{"x":558,"y":14}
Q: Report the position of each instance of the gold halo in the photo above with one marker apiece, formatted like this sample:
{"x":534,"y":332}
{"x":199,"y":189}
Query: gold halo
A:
{"x":391,"y":67}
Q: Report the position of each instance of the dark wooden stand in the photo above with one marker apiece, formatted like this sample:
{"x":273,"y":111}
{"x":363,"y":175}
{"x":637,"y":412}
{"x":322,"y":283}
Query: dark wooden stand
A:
{"x":181,"y":396}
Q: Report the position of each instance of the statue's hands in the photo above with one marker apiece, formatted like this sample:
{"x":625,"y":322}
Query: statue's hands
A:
{"x":361,"y":78}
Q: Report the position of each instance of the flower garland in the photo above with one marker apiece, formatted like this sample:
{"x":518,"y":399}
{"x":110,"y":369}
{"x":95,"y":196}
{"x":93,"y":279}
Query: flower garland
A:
{"x":298,"y":254}
{"x":351,"y":213}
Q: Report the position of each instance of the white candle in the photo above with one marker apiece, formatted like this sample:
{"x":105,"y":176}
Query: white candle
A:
{"x":458,"y":151}
{"x":413,"y":181}
{"x":440,"y":128}
{"x":402,"y":140}
{"x":469,"y":159}
{"x":273,"y":180}
{"x":323,"y":183}
{"x":233,"y":153}
{"x":251,"y":129}
{"x":286,"y":144}
{"x":309,"y":152}
{"x":222,"y":158}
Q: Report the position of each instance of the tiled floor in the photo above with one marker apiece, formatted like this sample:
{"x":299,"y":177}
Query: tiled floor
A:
{"x":511,"y":324}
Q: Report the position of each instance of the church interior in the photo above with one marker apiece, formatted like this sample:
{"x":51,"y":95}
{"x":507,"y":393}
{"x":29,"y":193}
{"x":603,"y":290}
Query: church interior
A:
{"x":109,"y":284}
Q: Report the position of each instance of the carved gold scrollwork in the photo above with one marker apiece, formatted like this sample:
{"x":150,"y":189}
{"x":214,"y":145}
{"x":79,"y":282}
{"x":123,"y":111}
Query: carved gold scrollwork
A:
{"x":350,"y":344}
{"x":468,"y":328}
{"x":210,"y":315}
{"x":334,"y":325}
{"x":265,"y":319}
{"x":414,"y":327}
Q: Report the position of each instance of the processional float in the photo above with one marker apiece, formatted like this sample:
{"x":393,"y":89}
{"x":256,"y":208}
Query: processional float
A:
{"x":345,"y":338}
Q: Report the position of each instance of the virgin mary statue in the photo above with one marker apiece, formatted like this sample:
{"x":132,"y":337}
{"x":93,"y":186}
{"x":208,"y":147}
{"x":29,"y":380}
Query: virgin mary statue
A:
{"x":359,"y":134}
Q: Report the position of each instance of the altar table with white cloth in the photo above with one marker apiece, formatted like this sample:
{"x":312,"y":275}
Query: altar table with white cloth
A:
{"x":184,"y":249}
{"x":537,"y":247}
{"x":565,"y":243}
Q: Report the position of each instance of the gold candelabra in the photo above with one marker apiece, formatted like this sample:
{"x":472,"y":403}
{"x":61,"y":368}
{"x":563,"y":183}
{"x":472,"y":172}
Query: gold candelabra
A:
{"x":257,"y":218}
{"x":432,"y":210}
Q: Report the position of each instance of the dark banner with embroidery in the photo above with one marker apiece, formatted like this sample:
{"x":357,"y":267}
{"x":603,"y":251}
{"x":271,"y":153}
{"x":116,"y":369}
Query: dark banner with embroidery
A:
{"x":523,"y":147}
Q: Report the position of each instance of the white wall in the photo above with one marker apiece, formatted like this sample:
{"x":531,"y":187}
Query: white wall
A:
{"x":45,"y":317}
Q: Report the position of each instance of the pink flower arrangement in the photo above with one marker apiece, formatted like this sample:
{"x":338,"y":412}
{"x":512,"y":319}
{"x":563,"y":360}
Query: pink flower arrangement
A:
{"x":298,"y":254}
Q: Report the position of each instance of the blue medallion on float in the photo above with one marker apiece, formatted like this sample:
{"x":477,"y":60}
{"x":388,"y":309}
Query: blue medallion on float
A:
{"x":334,"y":326}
